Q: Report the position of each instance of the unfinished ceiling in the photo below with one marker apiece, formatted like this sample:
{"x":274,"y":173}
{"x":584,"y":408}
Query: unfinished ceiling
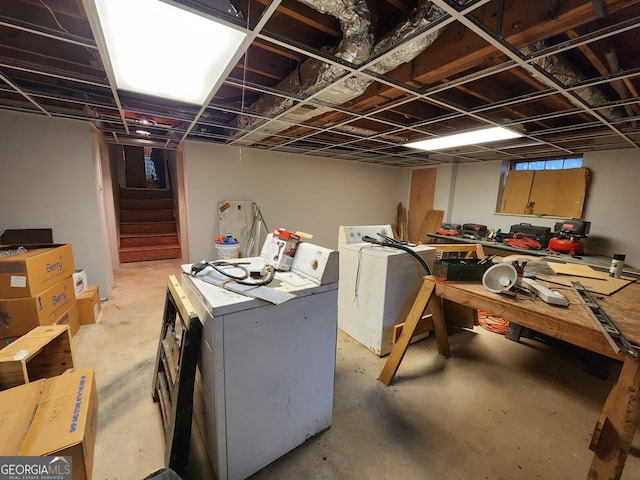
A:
{"x":356,"y":80}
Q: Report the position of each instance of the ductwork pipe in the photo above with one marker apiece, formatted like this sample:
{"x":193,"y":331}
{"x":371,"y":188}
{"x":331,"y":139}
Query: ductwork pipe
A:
{"x":355,"y":47}
{"x":566,"y":73}
{"x":313,"y":74}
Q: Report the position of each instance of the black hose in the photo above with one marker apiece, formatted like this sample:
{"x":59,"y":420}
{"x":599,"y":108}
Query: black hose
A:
{"x":198,"y":267}
{"x":401,"y":246}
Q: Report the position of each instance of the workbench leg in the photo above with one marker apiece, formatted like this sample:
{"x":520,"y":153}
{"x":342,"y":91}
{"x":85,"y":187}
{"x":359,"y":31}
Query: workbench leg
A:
{"x":616,"y":427}
{"x":400,"y":347}
{"x":439,"y":326}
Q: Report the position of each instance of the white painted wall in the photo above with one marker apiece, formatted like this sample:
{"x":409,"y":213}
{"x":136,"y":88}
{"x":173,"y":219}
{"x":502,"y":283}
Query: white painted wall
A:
{"x":611,"y":207}
{"x":51,"y":174}
{"x":49,"y":178}
{"x":295,"y":192}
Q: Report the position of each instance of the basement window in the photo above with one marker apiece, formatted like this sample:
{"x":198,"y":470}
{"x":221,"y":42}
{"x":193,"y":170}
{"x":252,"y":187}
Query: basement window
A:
{"x":556,"y":164}
{"x":555,"y":187}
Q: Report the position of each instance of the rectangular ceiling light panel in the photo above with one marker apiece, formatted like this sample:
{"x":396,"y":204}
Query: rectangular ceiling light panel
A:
{"x":164,"y":51}
{"x":484,"y":135}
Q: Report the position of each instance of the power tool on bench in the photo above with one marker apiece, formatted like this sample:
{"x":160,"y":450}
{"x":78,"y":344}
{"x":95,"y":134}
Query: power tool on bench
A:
{"x":449,"y":229}
{"x":567,"y":235}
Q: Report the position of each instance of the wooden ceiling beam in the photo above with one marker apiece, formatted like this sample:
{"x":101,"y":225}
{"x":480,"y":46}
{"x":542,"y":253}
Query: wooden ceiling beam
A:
{"x":594,"y":59}
{"x":562,"y":102}
{"x":278,"y":50}
{"x":459,"y":50}
{"x":305,"y":19}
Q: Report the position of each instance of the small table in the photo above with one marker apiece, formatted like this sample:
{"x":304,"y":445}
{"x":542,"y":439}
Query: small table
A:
{"x":620,"y":415}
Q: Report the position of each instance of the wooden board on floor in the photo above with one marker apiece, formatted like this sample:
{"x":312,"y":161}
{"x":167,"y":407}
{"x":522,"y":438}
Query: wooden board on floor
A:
{"x":431,"y":222}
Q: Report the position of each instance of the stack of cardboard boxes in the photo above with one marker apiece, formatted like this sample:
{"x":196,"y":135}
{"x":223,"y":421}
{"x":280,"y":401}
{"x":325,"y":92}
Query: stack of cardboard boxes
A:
{"x":37,"y":288}
{"x":46,"y":408}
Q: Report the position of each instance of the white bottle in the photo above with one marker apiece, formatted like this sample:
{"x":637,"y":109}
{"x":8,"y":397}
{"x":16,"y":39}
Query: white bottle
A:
{"x":617,"y":262}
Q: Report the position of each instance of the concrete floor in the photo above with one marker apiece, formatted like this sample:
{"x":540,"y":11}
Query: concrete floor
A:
{"x":496,"y":410}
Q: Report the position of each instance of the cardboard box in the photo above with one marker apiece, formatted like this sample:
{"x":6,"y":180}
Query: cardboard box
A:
{"x":89,"y":305}
{"x":70,"y":317}
{"x":80,"y":282}
{"x":280,"y":250}
{"x":27,"y":274}
{"x":53,"y":416}
{"x":20,"y":315}
{"x":43,"y":352}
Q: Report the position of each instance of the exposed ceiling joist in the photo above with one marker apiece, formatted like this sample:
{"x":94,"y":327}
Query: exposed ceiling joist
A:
{"x":483,"y":65}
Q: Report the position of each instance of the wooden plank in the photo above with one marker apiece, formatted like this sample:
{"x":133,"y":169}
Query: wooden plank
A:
{"x":470,"y":250}
{"x":400,"y":347}
{"x":421,"y":195}
{"x":170,"y":366}
{"x":602,"y":419}
{"x":457,"y":315}
{"x":165,"y":402}
{"x":618,"y":429}
{"x":439,"y":325}
{"x":431,"y":223}
{"x":425,"y":324}
{"x":515,"y":196}
{"x":187,"y":312}
{"x":559,"y":192}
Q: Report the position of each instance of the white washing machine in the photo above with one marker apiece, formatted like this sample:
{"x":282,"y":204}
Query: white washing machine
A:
{"x":377,"y":286}
{"x":266,"y":371}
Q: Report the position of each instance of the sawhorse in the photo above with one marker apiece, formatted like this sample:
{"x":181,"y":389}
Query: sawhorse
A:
{"x":175,"y":371}
{"x":426,"y":297}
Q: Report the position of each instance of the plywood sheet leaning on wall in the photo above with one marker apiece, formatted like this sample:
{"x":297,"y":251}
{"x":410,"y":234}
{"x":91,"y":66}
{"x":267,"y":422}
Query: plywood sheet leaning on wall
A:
{"x":546,"y":192}
{"x":431,"y":223}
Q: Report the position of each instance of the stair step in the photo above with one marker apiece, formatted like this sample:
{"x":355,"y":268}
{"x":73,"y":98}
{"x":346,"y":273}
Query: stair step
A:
{"x":146,"y":204}
{"x":141,"y":254}
{"x":145,"y":193}
{"x":148,"y":239}
{"x":146,"y":215}
{"x":147,"y":227}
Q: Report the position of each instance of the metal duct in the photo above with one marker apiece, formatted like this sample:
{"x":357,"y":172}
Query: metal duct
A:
{"x":356,"y":47}
{"x":426,"y":13}
{"x":566,"y":73}
{"x":313,"y":75}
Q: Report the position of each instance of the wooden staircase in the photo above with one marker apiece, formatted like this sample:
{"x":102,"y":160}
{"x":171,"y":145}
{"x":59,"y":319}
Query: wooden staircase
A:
{"x":148,"y":229}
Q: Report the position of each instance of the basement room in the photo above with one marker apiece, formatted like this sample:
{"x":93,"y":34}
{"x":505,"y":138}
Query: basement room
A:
{"x":323,"y":239}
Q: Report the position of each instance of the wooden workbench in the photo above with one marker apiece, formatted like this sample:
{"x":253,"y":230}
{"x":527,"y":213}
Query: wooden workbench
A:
{"x":620,"y":415}
{"x":599,"y":262}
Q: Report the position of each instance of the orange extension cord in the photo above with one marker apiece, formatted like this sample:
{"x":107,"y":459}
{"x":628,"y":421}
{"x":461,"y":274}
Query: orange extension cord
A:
{"x":523,"y":242}
{"x":492,"y":323}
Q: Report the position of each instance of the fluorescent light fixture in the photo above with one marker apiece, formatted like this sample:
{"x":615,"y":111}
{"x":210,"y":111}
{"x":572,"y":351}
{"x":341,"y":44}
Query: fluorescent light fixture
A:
{"x":164,"y":51}
{"x":485,"y":135}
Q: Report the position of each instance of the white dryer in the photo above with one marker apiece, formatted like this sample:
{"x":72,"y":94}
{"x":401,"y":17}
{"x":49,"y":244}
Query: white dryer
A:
{"x":377,"y":285}
{"x":266,"y":370}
